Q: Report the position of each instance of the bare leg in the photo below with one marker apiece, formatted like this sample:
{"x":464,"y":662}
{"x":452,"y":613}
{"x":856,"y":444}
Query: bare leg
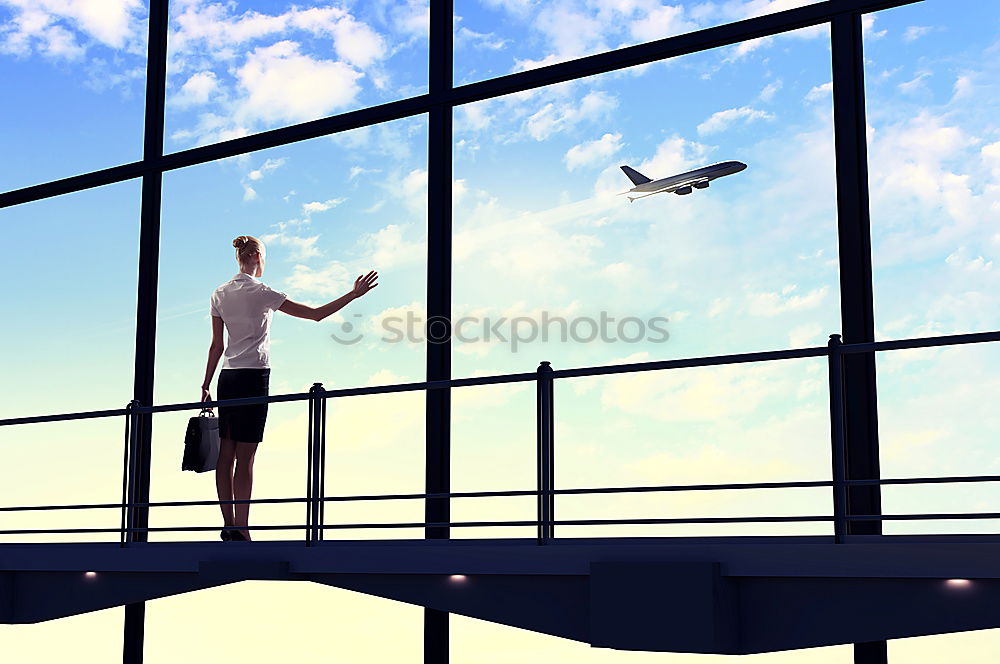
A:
{"x":224,"y":479}
{"x":243,"y":483}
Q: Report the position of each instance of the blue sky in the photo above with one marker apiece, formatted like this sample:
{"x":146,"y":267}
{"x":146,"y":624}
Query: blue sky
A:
{"x":749,"y":264}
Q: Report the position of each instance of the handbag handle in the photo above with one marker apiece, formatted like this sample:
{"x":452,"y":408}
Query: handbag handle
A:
{"x":208,"y":409}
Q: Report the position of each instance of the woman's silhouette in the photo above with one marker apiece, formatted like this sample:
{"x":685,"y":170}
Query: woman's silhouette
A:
{"x":244,"y":305}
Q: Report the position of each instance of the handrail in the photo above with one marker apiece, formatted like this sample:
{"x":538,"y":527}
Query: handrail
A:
{"x":702,"y":361}
{"x":546,"y":490}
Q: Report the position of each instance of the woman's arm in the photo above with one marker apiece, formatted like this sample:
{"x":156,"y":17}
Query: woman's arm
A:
{"x":361,"y":286}
{"x":214,"y":353}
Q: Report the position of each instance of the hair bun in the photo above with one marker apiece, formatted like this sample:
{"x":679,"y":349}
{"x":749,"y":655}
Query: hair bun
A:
{"x":240,"y":241}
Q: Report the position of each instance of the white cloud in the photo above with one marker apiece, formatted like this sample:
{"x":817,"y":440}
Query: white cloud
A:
{"x":915,"y":84}
{"x":333,"y":280}
{"x":360,"y":170}
{"x":557,"y":117}
{"x":915,"y":32}
{"x":820,"y":91}
{"x":388,"y":247}
{"x":52,"y":26}
{"x":722,"y":120}
{"x":268,"y":166}
{"x":868,"y":27}
{"x":301,"y":248}
{"x":767,"y":94}
{"x":482,"y":40}
{"x":661,"y":21}
{"x":961,"y":260}
{"x":309,"y":209}
{"x":586,"y":154}
{"x":283,"y":85}
{"x":773,"y":304}
{"x":196,"y":90}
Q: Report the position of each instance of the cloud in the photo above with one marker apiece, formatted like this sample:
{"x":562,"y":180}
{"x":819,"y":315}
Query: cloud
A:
{"x":52,"y":27}
{"x":268,"y":166}
{"x":388,"y":247}
{"x":480,"y":40}
{"x":722,"y":120}
{"x":773,"y":304}
{"x":301,"y":248}
{"x":308,"y":209}
{"x":915,"y":84}
{"x":283,"y":85}
{"x":196,"y":90}
{"x":820,"y":91}
{"x":553,"y":118}
{"x":692,"y":395}
{"x":767,"y":94}
{"x":333,"y":280}
{"x":915,"y":32}
{"x":586,"y":154}
{"x":661,"y":21}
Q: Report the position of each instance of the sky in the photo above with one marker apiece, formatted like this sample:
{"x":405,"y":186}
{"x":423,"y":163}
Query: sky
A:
{"x":539,"y":230}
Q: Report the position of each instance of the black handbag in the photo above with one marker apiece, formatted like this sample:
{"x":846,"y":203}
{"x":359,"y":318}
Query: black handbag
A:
{"x":201,"y":442}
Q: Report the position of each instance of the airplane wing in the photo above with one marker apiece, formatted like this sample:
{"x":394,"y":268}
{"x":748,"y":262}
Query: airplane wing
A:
{"x":679,"y":185}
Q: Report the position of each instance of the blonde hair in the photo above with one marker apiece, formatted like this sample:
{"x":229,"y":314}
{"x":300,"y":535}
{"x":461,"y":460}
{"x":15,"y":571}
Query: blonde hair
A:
{"x":246,"y":246}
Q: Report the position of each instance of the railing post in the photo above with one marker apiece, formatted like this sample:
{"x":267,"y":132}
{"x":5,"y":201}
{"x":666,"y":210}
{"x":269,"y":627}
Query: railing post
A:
{"x":316,"y":464}
{"x":319,"y":486}
{"x":837,"y":447}
{"x":310,"y":444}
{"x":546,"y":450}
{"x":128,"y":476}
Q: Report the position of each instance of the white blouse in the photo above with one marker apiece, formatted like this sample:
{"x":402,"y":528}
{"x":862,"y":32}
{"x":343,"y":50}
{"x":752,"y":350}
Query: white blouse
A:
{"x":246,"y":305}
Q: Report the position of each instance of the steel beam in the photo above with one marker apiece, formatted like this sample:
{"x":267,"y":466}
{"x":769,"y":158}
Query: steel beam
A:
{"x":856,"y":298}
{"x":438,"y":325}
{"x":145,"y":331}
{"x":693,"y":42}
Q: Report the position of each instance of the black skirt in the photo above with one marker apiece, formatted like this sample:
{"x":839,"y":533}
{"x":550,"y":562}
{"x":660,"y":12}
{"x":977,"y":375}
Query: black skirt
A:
{"x":244,"y":424}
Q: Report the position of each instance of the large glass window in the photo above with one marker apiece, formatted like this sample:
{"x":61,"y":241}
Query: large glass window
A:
{"x":238,"y":68}
{"x":69,"y":334}
{"x":327,"y":210}
{"x":934,"y":173}
{"x":553,"y":262}
{"x":74,"y":78}
{"x":497,"y":37}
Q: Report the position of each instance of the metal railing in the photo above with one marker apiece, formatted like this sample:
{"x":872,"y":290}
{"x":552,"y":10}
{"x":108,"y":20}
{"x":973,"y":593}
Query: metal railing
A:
{"x":545,"y":492}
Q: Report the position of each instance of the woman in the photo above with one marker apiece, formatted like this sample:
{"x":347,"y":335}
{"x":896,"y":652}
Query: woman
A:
{"x":244,"y":306}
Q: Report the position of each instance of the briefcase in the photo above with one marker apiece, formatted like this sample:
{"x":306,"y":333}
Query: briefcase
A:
{"x":201,"y":442}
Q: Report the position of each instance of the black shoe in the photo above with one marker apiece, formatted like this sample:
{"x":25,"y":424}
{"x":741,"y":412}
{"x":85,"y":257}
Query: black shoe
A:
{"x":225,"y":534}
{"x":237,"y":536}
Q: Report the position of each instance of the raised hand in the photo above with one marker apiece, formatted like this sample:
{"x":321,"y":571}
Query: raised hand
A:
{"x":365,"y":283}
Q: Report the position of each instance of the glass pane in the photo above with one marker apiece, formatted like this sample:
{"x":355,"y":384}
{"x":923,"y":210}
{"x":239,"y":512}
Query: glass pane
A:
{"x":327,"y":210}
{"x":934,"y":175}
{"x":71,"y":266}
{"x":497,"y":37}
{"x":934,"y":168}
{"x":551,"y":263}
{"x":243,"y":67}
{"x":72,"y":323}
{"x":73,"y":87}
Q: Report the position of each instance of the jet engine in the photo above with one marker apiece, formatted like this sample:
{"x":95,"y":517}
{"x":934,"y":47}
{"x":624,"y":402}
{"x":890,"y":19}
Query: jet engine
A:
{"x":701,"y":185}
{"x":682,"y":191}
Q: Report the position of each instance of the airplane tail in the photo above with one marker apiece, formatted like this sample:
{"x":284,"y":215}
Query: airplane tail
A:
{"x":635,"y":176}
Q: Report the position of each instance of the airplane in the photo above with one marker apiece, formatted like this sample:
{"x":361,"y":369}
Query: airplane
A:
{"x":679,"y":184}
